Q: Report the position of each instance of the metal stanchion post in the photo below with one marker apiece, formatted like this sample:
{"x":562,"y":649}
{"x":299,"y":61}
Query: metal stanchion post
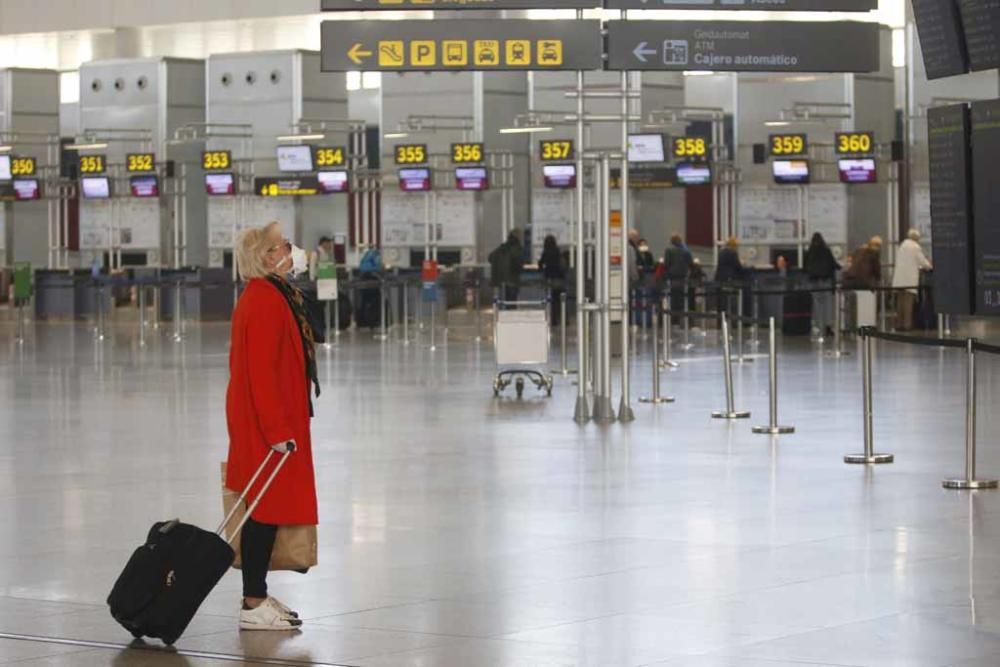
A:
{"x":178,"y":316}
{"x":479,"y":312}
{"x":327,"y":342}
{"x":869,"y":455}
{"x":581,"y":414}
{"x":668,"y":334}
{"x":881,"y":310}
{"x":432,"y":305}
{"x":940,"y":319}
{"x":20,"y":322}
{"x":656,"y":399}
{"x":406,"y":314}
{"x":688,"y":345}
{"x":563,"y":345}
{"x":141,"y":294}
{"x":383,"y":306}
{"x":754,"y":335}
{"x":157,"y":300}
{"x":772,"y":428}
{"x":727,"y":369}
{"x":100,"y":311}
{"x":740,"y":358}
{"x":838,"y":324}
{"x":970,"y":482}
{"x":947,"y":326}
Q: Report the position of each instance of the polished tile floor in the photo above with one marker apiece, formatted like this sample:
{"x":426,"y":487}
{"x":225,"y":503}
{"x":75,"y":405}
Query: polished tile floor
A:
{"x":459,"y":530}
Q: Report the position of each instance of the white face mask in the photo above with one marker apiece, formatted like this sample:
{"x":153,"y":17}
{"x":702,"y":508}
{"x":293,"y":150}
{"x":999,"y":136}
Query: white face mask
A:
{"x":297,"y":262}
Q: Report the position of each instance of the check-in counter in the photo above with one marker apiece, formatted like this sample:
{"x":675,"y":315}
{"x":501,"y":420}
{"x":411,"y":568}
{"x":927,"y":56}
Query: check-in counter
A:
{"x":207,"y":293}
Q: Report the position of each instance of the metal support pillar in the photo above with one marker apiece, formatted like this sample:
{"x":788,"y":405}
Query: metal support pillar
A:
{"x":581,"y":413}
{"x":625,"y":412}
{"x":603,"y":410}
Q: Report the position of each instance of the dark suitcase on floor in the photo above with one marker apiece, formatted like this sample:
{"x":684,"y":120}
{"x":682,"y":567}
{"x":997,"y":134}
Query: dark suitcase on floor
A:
{"x":168,"y":577}
{"x":796,"y":317}
{"x":369,"y":303}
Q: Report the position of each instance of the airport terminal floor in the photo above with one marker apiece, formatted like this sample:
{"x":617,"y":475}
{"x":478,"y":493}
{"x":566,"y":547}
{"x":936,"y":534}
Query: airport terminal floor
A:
{"x":462,"y":530}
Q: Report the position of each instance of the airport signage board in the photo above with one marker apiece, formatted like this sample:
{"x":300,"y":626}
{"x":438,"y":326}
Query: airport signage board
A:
{"x":760,"y":5}
{"x":743,"y":46}
{"x":371,"y":5}
{"x":854,"y":143}
{"x":788,"y":145}
{"x":304,"y":186}
{"x":950,"y":160}
{"x":461,"y":45}
{"x":985,"y":205}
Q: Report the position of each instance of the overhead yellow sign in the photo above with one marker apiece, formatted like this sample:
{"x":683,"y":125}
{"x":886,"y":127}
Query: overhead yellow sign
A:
{"x":330,"y":157}
{"x":555,"y":150}
{"x":789,"y":145}
{"x":215,"y":160}
{"x":92,"y":164}
{"x":690,"y":148}
{"x":467,"y":153}
{"x":411,"y":154}
{"x":22,"y":166}
{"x":854,"y":143}
{"x":140,"y":162}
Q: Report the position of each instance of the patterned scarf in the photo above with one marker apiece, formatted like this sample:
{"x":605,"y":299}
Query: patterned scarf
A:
{"x":297,"y":302}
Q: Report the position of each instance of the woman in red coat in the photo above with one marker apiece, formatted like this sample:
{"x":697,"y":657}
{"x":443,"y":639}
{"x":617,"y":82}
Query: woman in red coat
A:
{"x":268,"y":404}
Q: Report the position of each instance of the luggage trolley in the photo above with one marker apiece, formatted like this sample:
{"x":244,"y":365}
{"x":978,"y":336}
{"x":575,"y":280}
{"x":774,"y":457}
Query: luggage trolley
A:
{"x":521,"y":338}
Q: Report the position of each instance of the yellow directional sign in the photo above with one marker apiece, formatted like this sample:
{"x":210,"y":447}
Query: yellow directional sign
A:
{"x":391,"y":54}
{"x":454,"y":53}
{"x":423,"y":53}
{"x":518,"y":52}
{"x":357,"y":54}
{"x":487,"y":52}
{"x":467,"y":44}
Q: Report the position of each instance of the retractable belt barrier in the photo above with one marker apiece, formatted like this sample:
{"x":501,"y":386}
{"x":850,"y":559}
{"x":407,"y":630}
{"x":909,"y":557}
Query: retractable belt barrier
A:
{"x":867,"y":334}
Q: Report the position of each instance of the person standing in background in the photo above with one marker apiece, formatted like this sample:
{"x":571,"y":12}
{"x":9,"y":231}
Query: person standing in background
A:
{"x":322,"y":253}
{"x":506,"y":265}
{"x":554,"y":271}
{"x":910,"y":261}
{"x":821,"y":268}
{"x":677,"y":264}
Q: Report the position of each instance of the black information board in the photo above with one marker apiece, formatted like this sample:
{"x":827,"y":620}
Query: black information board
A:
{"x":981,"y":20}
{"x":459,"y":45}
{"x":768,"y":5}
{"x":948,"y":130}
{"x":395,"y":5}
{"x":939,"y":26}
{"x":986,"y":205}
{"x":744,"y":46}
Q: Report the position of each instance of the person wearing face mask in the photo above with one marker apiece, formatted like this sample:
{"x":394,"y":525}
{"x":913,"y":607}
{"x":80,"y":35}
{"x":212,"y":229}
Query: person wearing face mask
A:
{"x":272,"y":368}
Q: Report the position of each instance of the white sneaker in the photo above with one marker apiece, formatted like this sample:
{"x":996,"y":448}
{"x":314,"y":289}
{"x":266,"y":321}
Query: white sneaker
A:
{"x":282,"y":607}
{"x":267,"y":617}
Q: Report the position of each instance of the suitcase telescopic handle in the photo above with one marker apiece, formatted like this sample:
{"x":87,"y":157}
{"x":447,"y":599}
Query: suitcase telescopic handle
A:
{"x":290,"y":447}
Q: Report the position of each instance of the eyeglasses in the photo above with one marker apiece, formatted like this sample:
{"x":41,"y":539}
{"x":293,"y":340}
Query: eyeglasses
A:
{"x":285,"y":243}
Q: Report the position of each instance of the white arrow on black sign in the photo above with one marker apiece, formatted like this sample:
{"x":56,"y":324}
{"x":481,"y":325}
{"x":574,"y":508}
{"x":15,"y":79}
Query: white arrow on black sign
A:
{"x":641,"y":51}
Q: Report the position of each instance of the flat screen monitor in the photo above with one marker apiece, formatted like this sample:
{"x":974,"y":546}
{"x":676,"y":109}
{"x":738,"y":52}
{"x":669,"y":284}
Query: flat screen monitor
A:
{"x":220,"y":184}
{"x":857,"y":171}
{"x":295,"y":158}
{"x":790,"y":171}
{"x":559,"y":175}
{"x":415,"y":180}
{"x":472,"y":178}
{"x":95,"y":187}
{"x":646,"y":148}
{"x":694,"y":174}
{"x":331,"y":182}
{"x":26,"y":189}
{"x":5,"y":168}
{"x":144,"y":186}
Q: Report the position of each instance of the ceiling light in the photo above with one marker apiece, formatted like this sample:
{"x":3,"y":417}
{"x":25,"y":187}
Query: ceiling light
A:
{"x":396,"y":135}
{"x":697,"y":72}
{"x":84,"y":147}
{"x":301,"y":137}
{"x":524,"y":130}
{"x":777,"y":123}
{"x":6,"y":149}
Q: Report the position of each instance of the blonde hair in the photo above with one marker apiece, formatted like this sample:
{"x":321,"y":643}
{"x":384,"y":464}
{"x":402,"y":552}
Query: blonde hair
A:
{"x":251,"y":248}
{"x":732,"y":242}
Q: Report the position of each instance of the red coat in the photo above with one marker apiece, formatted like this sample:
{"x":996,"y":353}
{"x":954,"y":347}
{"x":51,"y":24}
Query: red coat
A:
{"x":268,"y":403}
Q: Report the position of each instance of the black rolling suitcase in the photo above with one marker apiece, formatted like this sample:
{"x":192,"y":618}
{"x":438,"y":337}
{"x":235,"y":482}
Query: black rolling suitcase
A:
{"x":796,"y":316}
{"x":168,"y":577}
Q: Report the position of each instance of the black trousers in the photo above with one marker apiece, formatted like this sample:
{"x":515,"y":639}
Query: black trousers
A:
{"x":256,"y":544}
